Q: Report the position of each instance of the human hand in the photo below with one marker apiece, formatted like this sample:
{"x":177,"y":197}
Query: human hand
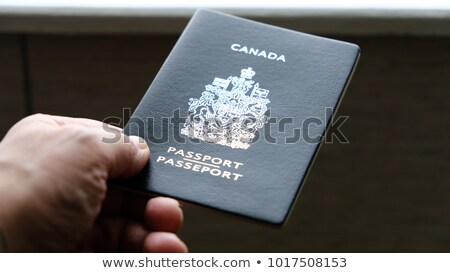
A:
{"x":54,"y":196}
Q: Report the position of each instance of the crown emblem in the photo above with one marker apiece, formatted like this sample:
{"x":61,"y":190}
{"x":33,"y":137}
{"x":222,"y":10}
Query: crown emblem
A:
{"x":226,"y":114}
{"x":247,"y":73}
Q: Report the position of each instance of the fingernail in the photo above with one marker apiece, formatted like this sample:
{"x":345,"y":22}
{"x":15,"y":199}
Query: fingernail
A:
{"x":139,"y":142}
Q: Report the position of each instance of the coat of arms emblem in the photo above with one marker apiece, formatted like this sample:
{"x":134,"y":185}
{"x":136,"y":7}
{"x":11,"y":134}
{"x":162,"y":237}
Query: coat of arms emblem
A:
{"x":229,"y":111}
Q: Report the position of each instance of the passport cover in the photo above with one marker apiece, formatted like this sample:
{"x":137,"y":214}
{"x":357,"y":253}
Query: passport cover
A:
{"x":225,"y":116}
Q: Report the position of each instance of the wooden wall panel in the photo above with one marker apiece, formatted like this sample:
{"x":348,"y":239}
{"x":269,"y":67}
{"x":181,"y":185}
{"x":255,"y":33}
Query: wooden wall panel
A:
{"x":12,"y":101}
{"x":385,"y":191}
{"x":93,"y":77}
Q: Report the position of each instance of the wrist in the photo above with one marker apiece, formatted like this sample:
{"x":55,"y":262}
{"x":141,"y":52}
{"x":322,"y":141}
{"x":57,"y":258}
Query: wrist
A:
{"x":3,"y":242}
{"x":9,"y":205}
{"x":3,"y":193}
{"x":4,"y":215}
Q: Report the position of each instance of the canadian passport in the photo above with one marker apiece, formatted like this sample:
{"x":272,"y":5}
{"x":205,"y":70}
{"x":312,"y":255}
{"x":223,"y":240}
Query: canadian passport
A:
{"x":236,"y":114}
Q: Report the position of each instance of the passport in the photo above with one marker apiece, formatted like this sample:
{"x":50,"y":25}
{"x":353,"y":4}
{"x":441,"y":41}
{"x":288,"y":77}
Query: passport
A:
{"x":236,"y":114}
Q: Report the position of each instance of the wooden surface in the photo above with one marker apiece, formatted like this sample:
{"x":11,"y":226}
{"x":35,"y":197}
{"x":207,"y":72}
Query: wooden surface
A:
{"x":385,"y":191}
{"x":12,"y":95}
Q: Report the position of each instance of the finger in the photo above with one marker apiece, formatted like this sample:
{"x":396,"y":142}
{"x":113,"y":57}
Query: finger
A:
{"x":163,"y":214}
{"x":124,"y":156}
{"x":117,"y":234}
{"x":164,"y":242}
{"x":126,"y":204}
{"x":135,"y":207}
{"x":106,"y":235}
{"x":114,"y":202}
{"x":133,"y":237}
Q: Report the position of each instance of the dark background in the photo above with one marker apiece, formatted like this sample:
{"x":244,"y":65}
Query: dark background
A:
{"x":386,"y":191}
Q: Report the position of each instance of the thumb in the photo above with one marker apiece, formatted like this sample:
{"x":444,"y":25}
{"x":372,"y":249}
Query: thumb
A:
{"x":126,"y":157}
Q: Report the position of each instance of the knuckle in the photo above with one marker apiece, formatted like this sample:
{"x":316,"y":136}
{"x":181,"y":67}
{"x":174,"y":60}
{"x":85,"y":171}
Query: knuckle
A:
{"x":35,"y":117}
{"x":88,"y":142}
{"x":88,"y":139}
{"x":96,"y":180}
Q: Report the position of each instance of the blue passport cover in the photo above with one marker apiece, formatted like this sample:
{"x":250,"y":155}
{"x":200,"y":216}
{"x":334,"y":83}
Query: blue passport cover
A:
{"x":225,"y":116}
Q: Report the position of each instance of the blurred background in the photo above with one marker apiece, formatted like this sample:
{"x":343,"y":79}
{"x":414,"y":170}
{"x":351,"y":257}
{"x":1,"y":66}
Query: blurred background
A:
{"x":386,"y":191}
